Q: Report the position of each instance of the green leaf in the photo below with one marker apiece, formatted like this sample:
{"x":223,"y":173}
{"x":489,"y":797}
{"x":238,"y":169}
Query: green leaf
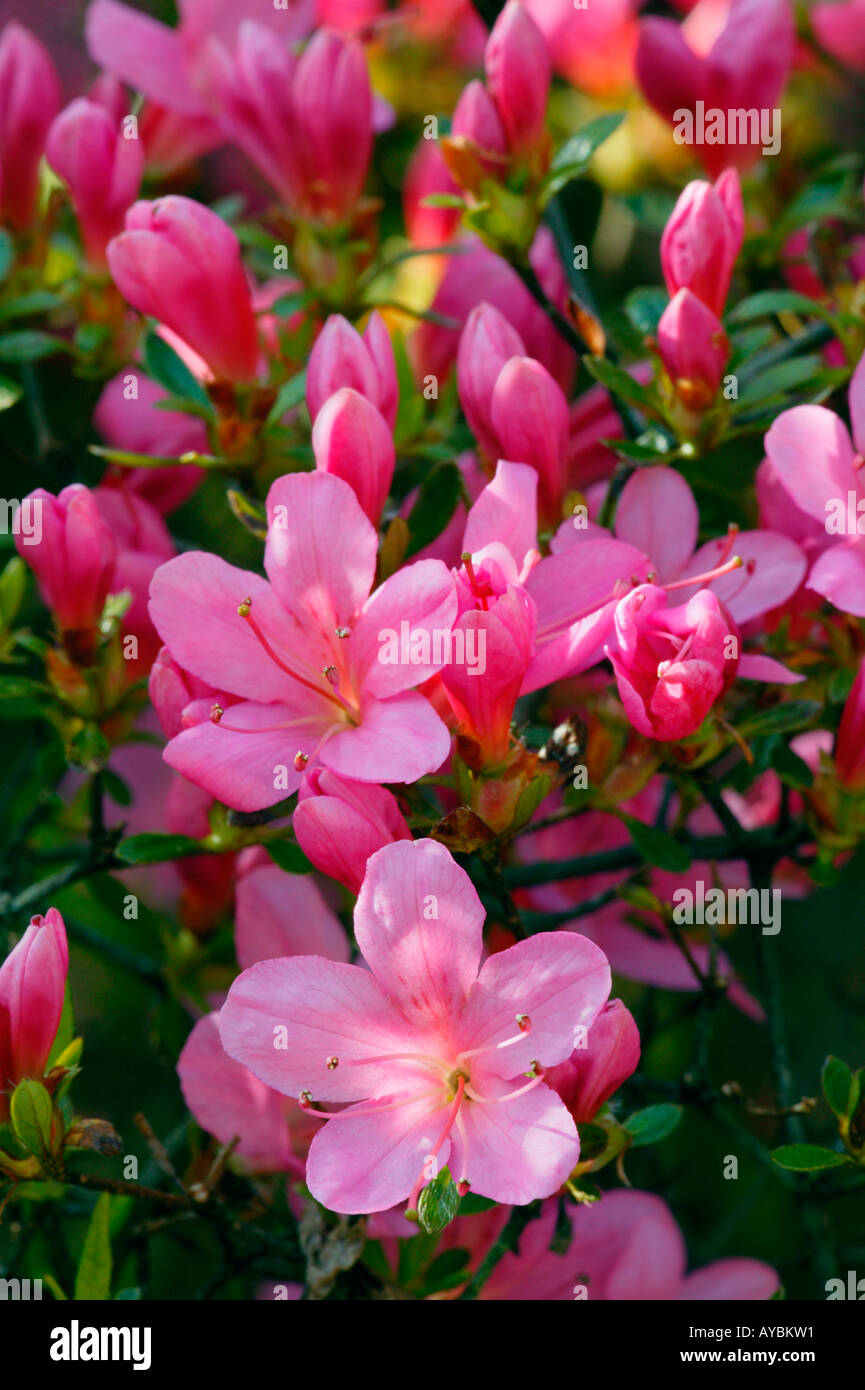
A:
{"x":654,"y":1123}
{"x":153,"y":848}
{"x":446,"y":1271}
{"x":10,"y":393}
{"x":807,"y":1158}
{"x":436,"y":503}
{"x":790,"y":767}
{"x":249,"y":512}
{"x":840,"y":1087}
{"x":657,"y":847}
{"x":438,"y":1203}
{"x":31,"y":1112}
{"x":65,"y":1036}
{"x":768,"y":302}
{"x":442,"y":200}
{"x":789,"y":714}
{"x":572,"y":157}
{"x":288,"y":856}
{"x":617,"y":380}
{"x":289,"y":397}
{"x":7,"y":254}
{"x":593,"y":1141}
{"x":37,"y":302}
{"x":93,"y":1280}
{"x":166,"y":367}
{"x":29,"y":345}
{"x":778,"y":380}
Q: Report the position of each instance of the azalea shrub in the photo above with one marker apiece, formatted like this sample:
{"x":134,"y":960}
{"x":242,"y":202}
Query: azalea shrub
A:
{"x":432,"y":622}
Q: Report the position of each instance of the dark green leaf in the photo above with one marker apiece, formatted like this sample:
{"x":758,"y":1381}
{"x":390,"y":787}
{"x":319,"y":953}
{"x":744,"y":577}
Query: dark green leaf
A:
{"x":840,"y":1087}
{"x":644,"y":308}
{"x":289,"y":397}
{"x":31,"y":1112}
{"x":657,"y":847}
{"x":790,"y":714}
{"x":154,"y":848}
{"x":289,"y":856}
{"x":438,"y":1203}
{"x":807,"y":1158}
{"x":166,"y":367}
{"x":653,"y":1124}
{"x":93,"y":1280}
{"x":436,"y":503}
{"x":29,"y":345}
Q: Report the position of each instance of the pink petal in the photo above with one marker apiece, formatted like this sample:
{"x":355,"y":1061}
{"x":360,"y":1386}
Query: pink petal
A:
{"x":559,"y":979}
{"x":419,"y":923}
{"x":423,"y":595}
{"x":363,"y":1164}
{"x":399,"y":740}
{"x":321,"y":1009}
{"x":279,"y":914}
{"x":146,"y":54}
{"x":657,"y":515}
{"x":516,"y":1150}
{"x":772,"y":570}
{"x":754,"y":667}
{"x":321,"y":549}
{"x":729,"y":1280}
{"x":839,"y":575}
{"x":506,"y":512}
{"x":813,"y":457}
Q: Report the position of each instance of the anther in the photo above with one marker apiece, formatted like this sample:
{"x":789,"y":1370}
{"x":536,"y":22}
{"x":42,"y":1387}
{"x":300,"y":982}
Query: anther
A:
{"x":332,"y":1063}
{"x":300,"y":761}
{"x":216,"y":713}
{"x":243,"y":609}
{"x":524,"y":1023}
{"x":343,"y":631}
{"x":463,"y":1187}
{"x":304,"y":1099}
{"x":331,"y":674}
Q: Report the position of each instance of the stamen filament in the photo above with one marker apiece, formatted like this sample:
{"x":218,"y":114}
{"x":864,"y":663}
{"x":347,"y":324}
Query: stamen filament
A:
{"x":501,"y":1100}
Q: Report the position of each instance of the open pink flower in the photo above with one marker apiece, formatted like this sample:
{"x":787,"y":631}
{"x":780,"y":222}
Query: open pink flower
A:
{"x":820,"y":467}
{"x":168,"y":263}
{"x":32,"y":984}
{"x":625,"y":1247}
{"x":302,"y":653}
{"x":429,"y":1049}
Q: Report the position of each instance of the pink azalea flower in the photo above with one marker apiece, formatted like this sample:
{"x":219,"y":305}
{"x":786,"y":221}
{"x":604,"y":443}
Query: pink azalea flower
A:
{"x":574,"y":593}
{"x":73,"y":557}
{"x":30,"y":98}
{"x":593,"y":1072}
{"x":694,"y":349}
{"x":517,"y":67}
{"x":429,"y":1049}
{"x":301,"y":653}
{"x":746,"y":67}
{"x":32,"y":984}
{"x":671,"y":664}
{"x":166,"y":264}
{"x":343,"y":357}
{"x":592,"y":47}
{"x":305,"y":123}
{"x":702,"y":239}
{"x":657,"y":514}
{"x":841,"y":30}
{"x":143,"y":544}
{"x":169,"y":65}
{"x":339,"y":824}
{"x":102,"y":168}
{"x":625,"y":1247}
{"x":816,"y":461}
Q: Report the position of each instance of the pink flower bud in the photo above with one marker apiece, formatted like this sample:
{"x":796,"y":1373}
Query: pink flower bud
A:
{"x":850,"y":743}
{"x":693,"y":348}
{"x":529,"y":415}
{"x":487,"y":342}
{"x":593,"y":1072}
{"x":483,"y":687}
{"x":517,"y":66}
{"x":180,"y":263}
{"x":32,"y":983}
{"x":671,"y":664}
{"x":333,"y":101}
{"x":351,"y":440}
{"x":341,"y":357}
{"x":840,"y":29}
{"x":476,"y":119}
{"x":72,"y":554}
{"x":702,"y":240}
{"x":102,"y":168}
{"x":30,"y":98}
{"x":428,"y":173}
{"x":339,"y":824}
